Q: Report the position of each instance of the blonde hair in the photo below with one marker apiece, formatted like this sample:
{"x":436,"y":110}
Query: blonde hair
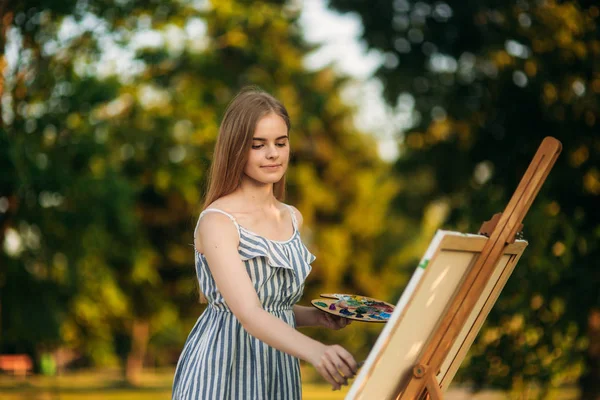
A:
{"x":234,"y":142}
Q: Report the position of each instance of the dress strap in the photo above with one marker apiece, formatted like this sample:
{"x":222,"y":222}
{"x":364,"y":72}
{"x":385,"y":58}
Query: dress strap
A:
{"x":294,"y":220}
{"x":231,"y":217}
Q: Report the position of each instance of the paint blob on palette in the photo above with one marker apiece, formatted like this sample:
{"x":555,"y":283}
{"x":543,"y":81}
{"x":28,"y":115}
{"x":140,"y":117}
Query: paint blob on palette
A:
{"x":359,"y":308}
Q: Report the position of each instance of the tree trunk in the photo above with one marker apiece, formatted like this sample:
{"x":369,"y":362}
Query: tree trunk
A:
{"x":590,"y":381}
{"x":140,"y":332}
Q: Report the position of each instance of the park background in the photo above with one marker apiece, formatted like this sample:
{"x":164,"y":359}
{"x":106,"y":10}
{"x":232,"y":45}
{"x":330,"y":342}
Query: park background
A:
{"x":109,"y":114}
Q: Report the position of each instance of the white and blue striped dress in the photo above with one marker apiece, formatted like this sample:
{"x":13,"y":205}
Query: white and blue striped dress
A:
{"x":220,"y":360}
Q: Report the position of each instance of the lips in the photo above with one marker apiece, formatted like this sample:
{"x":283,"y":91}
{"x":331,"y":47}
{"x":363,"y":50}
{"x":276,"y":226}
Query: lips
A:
{"x":271,"y":166}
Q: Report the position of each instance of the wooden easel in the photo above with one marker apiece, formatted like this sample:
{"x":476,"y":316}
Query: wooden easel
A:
{"x":501,"y":230}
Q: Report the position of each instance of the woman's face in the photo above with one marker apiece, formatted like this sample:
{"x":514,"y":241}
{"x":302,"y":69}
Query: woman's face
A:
{"x":270,"y":152}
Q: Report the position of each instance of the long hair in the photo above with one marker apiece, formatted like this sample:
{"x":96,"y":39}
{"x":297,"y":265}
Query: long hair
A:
{"x":234,"y":142}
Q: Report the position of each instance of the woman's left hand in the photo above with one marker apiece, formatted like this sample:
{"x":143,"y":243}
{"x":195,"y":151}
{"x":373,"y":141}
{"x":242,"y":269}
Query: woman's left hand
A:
{"x":330,"y":321}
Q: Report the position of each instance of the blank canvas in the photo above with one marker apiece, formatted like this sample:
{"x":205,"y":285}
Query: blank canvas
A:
{"x":450,"y":255}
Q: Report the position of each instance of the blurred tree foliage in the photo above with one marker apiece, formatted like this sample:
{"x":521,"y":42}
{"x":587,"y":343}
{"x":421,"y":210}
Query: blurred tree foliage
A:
{"x":488,"y":80}
{"x":110,"y":112}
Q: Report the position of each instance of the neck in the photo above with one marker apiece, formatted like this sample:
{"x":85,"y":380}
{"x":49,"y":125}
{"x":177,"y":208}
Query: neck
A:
{"x":259,"y":195}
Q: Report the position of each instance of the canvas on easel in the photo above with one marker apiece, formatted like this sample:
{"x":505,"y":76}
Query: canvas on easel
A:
{"x":448,"y":298}
{"x":440,"y":272}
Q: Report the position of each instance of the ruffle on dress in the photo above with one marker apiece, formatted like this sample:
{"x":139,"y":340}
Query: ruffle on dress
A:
{"x":291,"y":255}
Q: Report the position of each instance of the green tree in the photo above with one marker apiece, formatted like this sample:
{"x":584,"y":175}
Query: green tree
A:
{"x":109,"y":161}
{"x":488,"y":81}
{"x":75,"y":262}
{"x":45,"y":189}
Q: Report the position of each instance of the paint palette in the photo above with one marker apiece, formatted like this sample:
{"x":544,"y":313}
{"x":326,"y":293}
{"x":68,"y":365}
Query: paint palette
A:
{"x":359,"y":308}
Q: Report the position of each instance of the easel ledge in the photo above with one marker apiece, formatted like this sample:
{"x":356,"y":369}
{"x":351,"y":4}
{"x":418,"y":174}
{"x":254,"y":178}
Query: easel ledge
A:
{"x":501,"y":229}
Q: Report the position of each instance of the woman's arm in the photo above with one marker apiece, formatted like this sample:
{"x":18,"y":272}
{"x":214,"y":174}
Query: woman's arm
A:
{"x":310,"y":316}
{"x":218,"y":238}
{"x":306,"y":316}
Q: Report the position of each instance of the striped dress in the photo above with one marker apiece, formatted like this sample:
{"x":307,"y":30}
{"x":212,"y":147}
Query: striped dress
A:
{"x":220,"y":360}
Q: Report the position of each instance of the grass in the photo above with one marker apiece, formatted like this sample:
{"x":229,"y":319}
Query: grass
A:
{"x":108,"y":385}
{"x":156,"y":385}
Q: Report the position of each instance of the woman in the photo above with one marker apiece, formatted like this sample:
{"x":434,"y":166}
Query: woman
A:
{"x":251,"y":265}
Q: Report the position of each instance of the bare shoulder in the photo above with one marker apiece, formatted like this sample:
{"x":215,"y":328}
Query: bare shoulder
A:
{"x":212,"y":223}
{"x":298,"y":214}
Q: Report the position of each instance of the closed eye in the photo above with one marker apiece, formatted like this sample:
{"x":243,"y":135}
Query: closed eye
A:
{"x":258,"y":146}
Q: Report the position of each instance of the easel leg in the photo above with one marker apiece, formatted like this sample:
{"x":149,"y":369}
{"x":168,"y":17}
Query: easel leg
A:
{"x":433,"y":388}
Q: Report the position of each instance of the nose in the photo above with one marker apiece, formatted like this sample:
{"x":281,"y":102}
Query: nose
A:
{"x":273,"y":152}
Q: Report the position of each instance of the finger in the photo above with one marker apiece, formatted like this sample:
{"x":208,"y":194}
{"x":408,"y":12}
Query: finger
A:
{"x":348,"y":359}
{"x":344,"y":368}
{"x":339,"y":322}
{"x":330,"y":321}
{"x":325,"y":374}
{"x":333,"y":370}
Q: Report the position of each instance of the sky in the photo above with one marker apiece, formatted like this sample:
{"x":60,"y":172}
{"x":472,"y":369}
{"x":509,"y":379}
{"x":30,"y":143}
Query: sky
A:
{"x":339,"y":36}
{"x":340,"y":46}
